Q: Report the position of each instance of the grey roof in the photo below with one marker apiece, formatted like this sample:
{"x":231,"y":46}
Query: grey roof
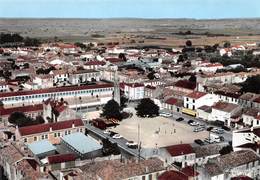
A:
{"x":222,"y":164}
{"x":40,"y":147}
{"x":81,"y":143}
{"x":208,"y":150}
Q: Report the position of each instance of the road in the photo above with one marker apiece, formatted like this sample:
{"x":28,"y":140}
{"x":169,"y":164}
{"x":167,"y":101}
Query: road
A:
{"x":121,"y":142}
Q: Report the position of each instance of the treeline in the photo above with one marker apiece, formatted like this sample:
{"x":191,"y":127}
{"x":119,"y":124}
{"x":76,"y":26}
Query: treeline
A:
{"x":14,"y":39}
{"x":248,"y":60}
{"x":208,"y":34}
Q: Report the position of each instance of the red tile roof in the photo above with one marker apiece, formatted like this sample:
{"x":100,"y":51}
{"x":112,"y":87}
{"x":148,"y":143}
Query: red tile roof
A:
{"x":24,"y":109}
{"x":241,"y":178}
{"x":180,"y":149}
{"x":57,"y":89}
{"x":114,"y":60}
{"x":134,"y":84}
{"x":185,"y":84}
{"x":196,"y":95}
{"x":189,"y":171}
{"x":89,"y":63}
{"x":257,"y":100}
{"x":41,"y":128}
{"x":60,"y":158}
{"x":171,"y":101}
{"x":172,"y":175}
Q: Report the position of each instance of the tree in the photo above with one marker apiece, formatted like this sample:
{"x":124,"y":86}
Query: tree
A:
{"x":123,"y":101}
{"x":193,"y":78}
{"x":122,"y":56}
{"x":226,"y":150}
{"x":251,"y":85}
{"x":147,"y":108}
{"x":151,"y":75}
{"x":81,"y":45}
{"x":112,"y":110}
{"x":188,"y":43}
{"x":17,"y":118}
{"x":227,"y":44}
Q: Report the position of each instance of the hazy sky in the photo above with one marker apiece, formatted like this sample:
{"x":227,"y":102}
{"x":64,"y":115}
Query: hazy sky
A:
{"x":200,"y":9}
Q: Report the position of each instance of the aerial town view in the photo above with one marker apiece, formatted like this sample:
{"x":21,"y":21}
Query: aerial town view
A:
{"x":129,"y":90}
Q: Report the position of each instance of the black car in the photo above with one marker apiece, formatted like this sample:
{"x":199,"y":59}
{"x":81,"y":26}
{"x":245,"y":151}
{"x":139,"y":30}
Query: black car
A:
{"x":190,"y":121}
{"x":179,"y":119}
{"x":112,"y":133}
{"x":210,"y":128}
{"x":199,"y":142}
{"x":225,"y":128}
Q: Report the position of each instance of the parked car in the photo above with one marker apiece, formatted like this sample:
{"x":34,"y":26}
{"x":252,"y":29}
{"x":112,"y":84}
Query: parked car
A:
{"x":107,"y":132}
{"x":190,"y":121}
{"x":165,"y":114}
{"x":217,"y":131}
{"x":199,"y":142}
{"x":210,"y":141}
{"x":194,"y":124}
{"x":112,"y":133}
{"x":199,"y":129}
{"x":210,"y":128}
{"x":226,"y":128}
{"x":179,"y":119}
{"x":132,"y":144}
{"x":117,"y":136}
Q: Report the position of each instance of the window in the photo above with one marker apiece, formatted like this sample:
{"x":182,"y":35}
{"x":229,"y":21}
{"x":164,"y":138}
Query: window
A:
{"x":193,"y":101}
{"x":58,"y":134}
{"x":187,"y":99}
{"x":46,"y":136}
{"x":65,"y":132}
{"x":25,"y":140}
{"x":150,"y":177}
{"x":55,"y":134}
{"x":42,"y":136}
{"x":80,"y":130}
{"x":143,"y":177}
{"x":35,"y":138}
{"x":69,"y":132}
{"x":193,"y":107}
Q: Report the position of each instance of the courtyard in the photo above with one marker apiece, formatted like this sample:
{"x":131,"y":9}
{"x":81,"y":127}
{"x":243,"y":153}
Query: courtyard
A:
{"x":158,"y":131}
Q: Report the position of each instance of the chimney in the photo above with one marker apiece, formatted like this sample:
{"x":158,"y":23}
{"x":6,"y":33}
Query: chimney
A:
{"x":50,"y":129}
{"x":73,"y":125}
{"x":146,"y":169}
{"x":252,"y":129}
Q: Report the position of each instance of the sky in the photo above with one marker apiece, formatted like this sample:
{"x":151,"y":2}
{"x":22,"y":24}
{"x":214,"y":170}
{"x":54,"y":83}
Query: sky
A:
{"x":198,"y":9}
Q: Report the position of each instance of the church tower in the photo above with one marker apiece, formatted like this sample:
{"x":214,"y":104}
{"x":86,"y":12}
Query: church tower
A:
{"x":116,"y":88}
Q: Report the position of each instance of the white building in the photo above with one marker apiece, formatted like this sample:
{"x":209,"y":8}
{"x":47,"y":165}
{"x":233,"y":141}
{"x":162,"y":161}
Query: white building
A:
{"x":181,"y":154}
{"x":251,"y":117}
{"x":134,"y":91}
{"x":4,"y":87}
{"x":103,"y":91}
{"x":81,"y":76}
{"x":223,"y":111}
{"x":197,"y":99}
{"x":245,"y":136}
{"x":43,"y":81}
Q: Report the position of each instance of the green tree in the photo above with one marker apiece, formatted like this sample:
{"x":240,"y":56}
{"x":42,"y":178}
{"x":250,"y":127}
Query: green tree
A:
{"x":227,"y":44}
{"x":251,"y":85}
{"x":226,"y":150}
{"x":112,"y":110}
{"x":147,"y":108}
{"x":188,"y":43}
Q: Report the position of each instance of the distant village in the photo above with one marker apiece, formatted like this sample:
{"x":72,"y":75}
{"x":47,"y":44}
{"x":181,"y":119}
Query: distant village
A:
{"x":107,"y":111}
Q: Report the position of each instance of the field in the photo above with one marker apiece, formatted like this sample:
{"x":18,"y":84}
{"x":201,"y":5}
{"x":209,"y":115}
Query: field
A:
{"x":159,"y":130}
{"x":159,"y":32}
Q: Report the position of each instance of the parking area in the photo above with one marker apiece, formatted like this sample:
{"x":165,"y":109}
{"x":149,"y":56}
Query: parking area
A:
{"x":158,"y":131}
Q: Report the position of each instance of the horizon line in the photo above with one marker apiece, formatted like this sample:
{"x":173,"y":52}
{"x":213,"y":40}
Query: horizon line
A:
{"x":137,"y":18}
